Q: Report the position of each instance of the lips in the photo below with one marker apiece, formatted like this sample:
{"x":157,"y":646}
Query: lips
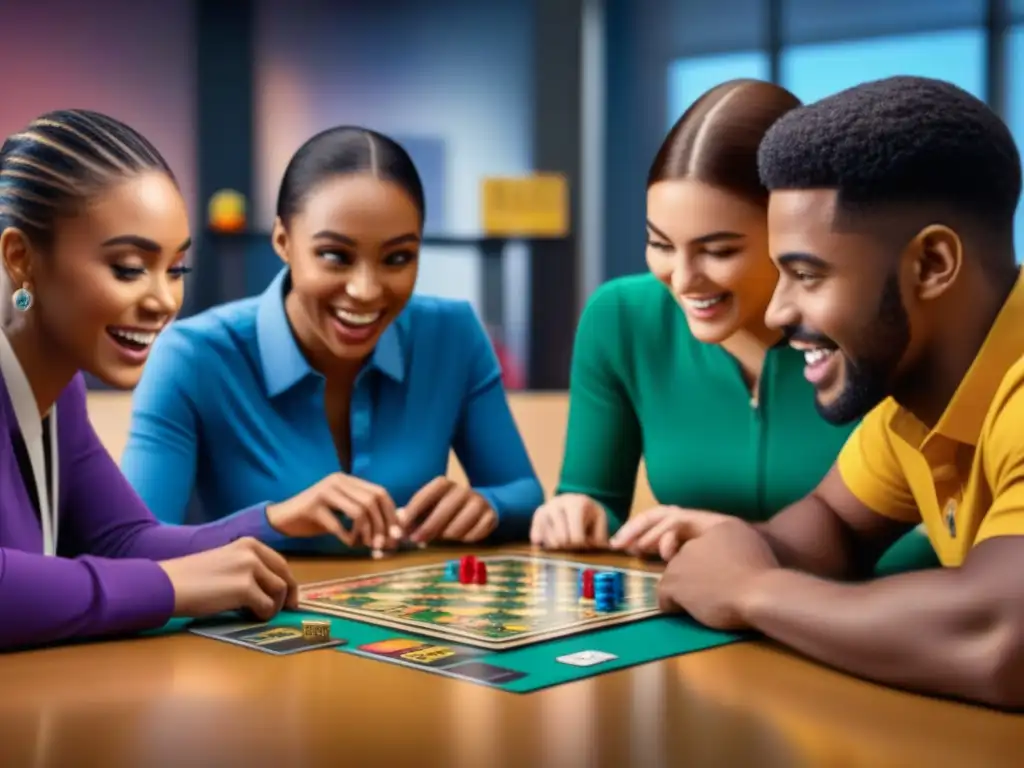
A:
{"x":353,"y":328}
{"x":132,"y":345}
{"x":819,"y":363}
{"x":132,"y":338}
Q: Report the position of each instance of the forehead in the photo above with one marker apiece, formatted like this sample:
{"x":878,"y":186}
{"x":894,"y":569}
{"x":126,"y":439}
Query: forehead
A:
{"x":360,"y":203}
{"x":149,"y":203}
{"x":685,"y":209}
{"x":803,"y":222}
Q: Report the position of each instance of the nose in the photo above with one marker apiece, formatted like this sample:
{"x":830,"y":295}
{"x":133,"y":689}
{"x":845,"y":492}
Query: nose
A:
{"x":364,"y":285}
{"x":781,"y":312}
{"x":683,"y":273}
{"x":163,"y":298}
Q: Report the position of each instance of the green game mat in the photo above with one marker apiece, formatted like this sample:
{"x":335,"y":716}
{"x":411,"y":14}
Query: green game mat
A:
{"x":533,"y":667}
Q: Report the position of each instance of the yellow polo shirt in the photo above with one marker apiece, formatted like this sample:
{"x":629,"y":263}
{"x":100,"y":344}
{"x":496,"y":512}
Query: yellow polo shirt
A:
{"x":965,"y":478}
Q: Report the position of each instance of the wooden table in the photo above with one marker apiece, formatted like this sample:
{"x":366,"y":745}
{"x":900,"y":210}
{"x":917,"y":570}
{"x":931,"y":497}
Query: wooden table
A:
{"x":186,"y":701}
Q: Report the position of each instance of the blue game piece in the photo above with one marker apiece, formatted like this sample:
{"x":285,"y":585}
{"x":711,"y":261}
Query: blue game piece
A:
{"x":620,"y":586}
{"x":451,"y":571}
{"x":606,"y":596}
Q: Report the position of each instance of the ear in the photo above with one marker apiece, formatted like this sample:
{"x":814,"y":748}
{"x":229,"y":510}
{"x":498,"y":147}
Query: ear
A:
{"x":279,"y":239}
{"x":16,"y":252}
{"x":937,"y":258}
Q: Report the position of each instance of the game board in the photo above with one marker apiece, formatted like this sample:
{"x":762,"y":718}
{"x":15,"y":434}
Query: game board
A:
{"x":526,"y":600}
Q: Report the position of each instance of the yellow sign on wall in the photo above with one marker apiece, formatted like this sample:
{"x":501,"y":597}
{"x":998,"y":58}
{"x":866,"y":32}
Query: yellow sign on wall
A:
{"x":528,"y":206}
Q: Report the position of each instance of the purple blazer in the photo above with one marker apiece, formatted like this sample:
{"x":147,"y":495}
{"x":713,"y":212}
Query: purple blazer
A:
{"x":106,"y":580}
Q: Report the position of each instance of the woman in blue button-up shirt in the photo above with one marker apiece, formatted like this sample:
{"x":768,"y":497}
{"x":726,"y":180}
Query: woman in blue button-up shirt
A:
{"x":337,"y":390}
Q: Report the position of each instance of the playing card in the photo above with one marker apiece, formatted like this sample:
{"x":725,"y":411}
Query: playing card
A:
{"x":279,"y":639}
{"x":421,"y":653}
{"x":586,"y":658}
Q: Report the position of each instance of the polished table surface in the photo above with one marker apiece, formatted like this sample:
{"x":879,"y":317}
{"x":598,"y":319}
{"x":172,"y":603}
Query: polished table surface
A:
{"x":181,"y":700}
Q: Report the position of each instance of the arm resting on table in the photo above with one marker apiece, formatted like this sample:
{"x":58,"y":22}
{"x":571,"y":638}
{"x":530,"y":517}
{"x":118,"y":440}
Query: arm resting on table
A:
{"x":953,"y":632}
{"x":52,"y":599}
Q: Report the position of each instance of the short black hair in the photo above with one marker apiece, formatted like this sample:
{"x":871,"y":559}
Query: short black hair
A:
{"x":63,"y":158}
{"x":900,"y":141}
{"x":341,"y":151}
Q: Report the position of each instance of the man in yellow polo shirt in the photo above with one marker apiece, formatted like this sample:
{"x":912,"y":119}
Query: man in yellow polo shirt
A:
{"x":891,"y":223}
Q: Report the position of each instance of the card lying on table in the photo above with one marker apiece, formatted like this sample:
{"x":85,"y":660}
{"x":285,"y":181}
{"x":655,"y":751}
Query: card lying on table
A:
{"x":277,"y":639}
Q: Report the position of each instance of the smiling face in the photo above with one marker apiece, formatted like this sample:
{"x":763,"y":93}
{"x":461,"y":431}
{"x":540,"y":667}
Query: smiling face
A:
{"x":839,"y":299}
{"x":710,"y":249}
{"x":111,"y":279}
{"x":353,"y":250}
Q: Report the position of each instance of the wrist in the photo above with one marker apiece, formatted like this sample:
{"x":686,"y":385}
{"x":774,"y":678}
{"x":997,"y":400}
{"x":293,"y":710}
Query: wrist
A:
{"x":758,"y":594}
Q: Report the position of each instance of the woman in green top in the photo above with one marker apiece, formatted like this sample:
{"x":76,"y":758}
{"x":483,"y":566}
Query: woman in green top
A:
{"x":714,"y":402}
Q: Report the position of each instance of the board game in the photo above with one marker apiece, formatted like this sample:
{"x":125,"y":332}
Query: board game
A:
{"x":525,"y":600}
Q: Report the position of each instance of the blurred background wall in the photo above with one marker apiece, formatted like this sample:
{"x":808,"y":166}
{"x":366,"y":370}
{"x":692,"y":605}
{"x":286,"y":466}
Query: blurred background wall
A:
{"x":228,"y":89}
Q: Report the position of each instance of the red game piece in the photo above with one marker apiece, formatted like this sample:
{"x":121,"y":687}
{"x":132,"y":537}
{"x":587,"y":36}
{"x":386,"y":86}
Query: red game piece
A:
{"x":467,"y":567}
{"x":587,"y":587}
{"x":480,"y":573}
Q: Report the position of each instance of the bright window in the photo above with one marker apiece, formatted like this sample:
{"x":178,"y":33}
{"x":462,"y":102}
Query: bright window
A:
{"x":688,"y":79}
{"x":815,"y":71}
{"x":1015,"y":111}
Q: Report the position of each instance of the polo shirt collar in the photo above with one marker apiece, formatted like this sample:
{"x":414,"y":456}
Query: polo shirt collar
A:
{"x":283,"y":363}
{"x":963,"y":418}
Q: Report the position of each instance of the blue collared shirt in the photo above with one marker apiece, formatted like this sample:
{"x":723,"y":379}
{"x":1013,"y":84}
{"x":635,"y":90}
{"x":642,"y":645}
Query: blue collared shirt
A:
{"x":229,"y":414}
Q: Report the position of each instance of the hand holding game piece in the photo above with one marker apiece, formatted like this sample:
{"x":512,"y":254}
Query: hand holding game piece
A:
{"x":315,"y":512}
{"x":570,"y":521}
{"x":244,"y":575}
{"x":661,"y":531}
{"x":714,"y":575}
{"x":445,"y":510}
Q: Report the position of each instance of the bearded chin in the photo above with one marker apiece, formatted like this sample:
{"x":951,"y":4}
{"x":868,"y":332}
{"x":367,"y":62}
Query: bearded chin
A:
{"x":864,"y":387}
{"x":869,"y":379}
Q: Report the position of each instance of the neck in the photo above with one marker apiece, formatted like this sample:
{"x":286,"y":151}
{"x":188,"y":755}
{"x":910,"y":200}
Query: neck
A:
{"x":927,"y":390}
{"x":47,"y":377}
{"x":750,"y":346}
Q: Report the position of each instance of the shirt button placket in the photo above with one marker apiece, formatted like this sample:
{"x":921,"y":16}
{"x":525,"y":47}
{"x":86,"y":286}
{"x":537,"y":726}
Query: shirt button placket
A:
{"x":361,"y":429}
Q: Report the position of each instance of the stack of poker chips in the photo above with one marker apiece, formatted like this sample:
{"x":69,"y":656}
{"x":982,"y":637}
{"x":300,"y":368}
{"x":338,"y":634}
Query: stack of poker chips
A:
{"x":608,"y":590}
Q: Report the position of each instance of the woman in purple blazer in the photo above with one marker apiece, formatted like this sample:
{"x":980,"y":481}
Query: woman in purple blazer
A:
{"x":93,"y":233}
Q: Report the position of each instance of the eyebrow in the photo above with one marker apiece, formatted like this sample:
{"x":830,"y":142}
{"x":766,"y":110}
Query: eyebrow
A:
{"x":143,"y":243}
{"x":807,"y":259}
{"x":703,"y":239}
{"x":328,"y":234}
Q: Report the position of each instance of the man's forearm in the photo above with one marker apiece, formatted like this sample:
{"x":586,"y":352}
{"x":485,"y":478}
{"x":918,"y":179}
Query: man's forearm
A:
{"x":921,"y":631}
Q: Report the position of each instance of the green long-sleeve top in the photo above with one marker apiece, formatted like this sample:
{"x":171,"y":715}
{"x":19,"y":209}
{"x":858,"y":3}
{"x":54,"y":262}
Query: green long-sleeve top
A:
{"x":643,"y":386}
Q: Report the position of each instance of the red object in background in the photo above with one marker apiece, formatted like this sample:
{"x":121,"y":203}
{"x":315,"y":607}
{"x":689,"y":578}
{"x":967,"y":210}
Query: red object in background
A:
{"x":511,"y":371}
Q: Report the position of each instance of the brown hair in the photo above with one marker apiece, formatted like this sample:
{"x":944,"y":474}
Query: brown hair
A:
{"x":716,"y":139}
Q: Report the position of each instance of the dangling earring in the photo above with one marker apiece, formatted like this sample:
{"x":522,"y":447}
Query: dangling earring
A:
{"x":22,"y":299}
